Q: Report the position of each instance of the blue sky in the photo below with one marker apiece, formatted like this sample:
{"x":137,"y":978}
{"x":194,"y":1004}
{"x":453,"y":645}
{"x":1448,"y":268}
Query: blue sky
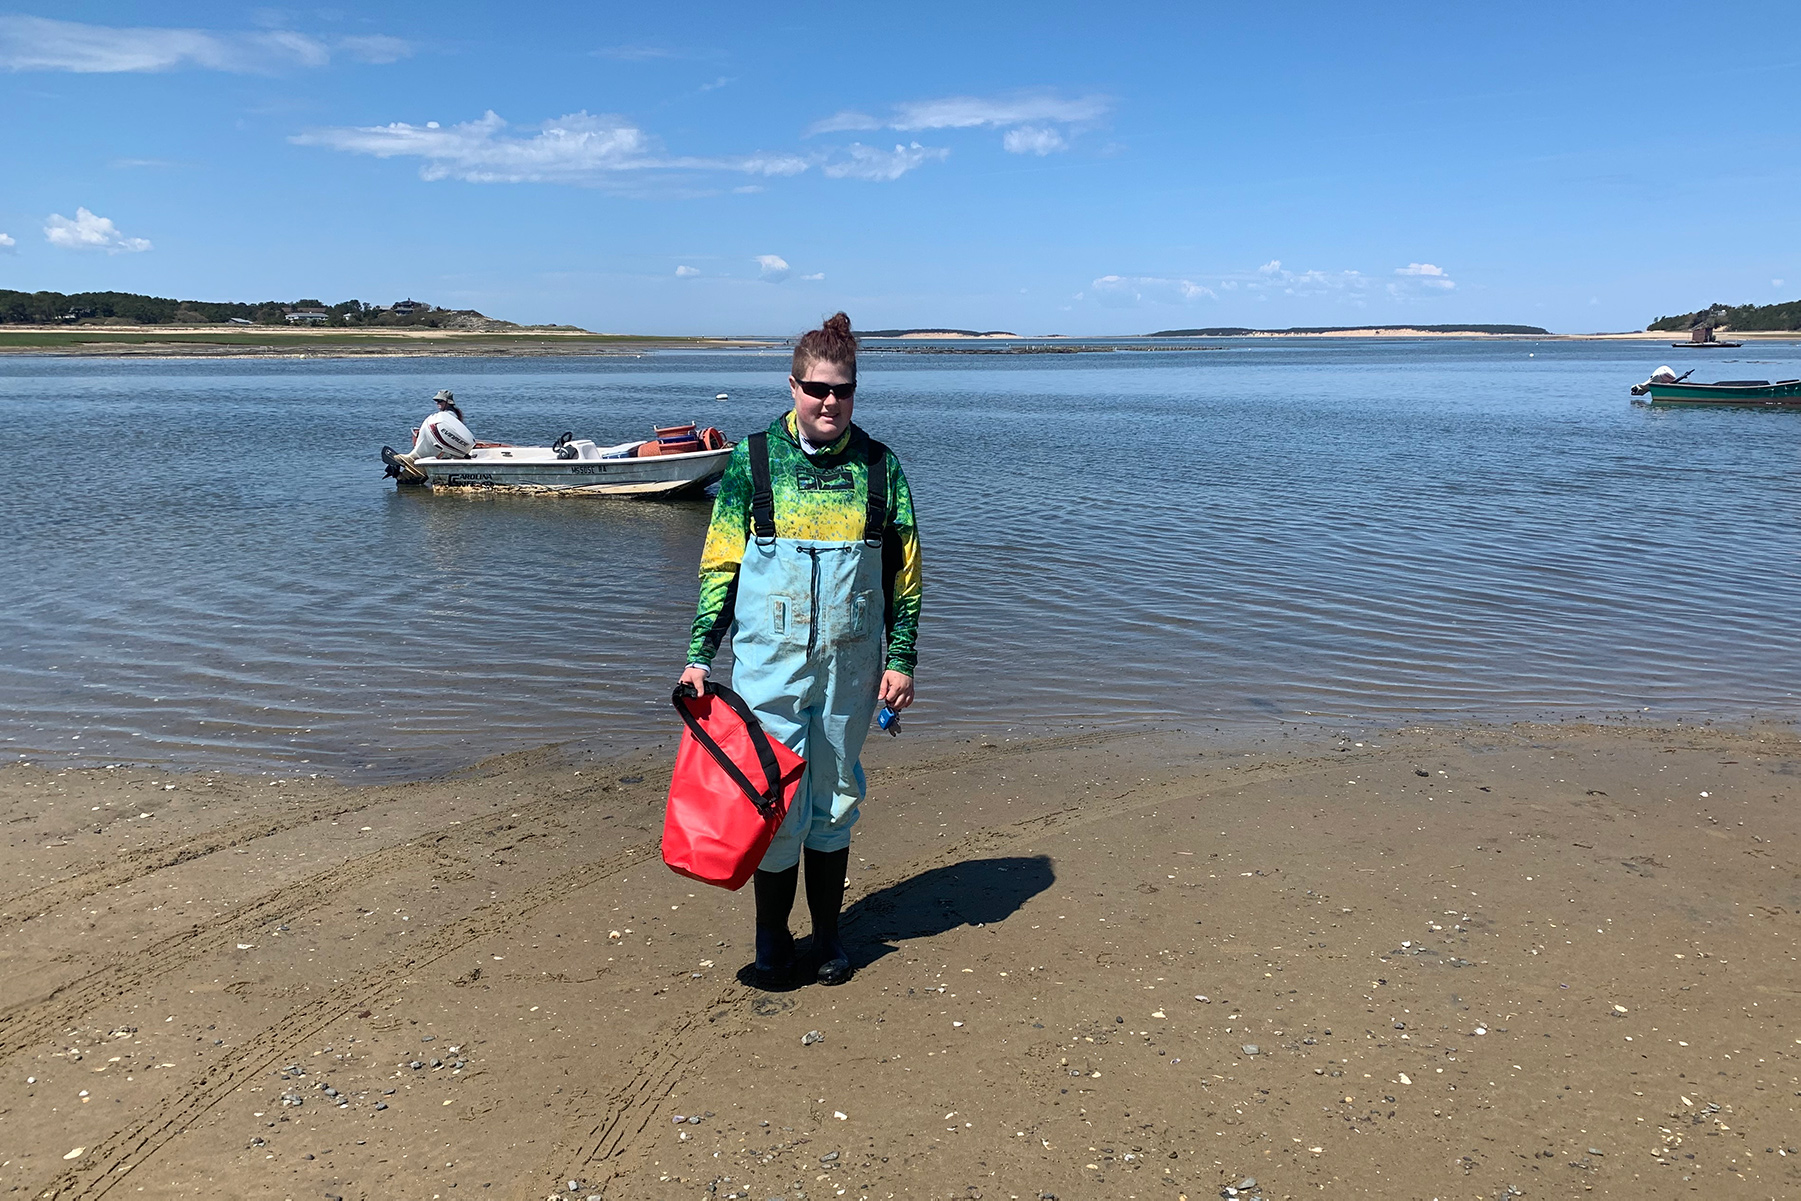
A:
{"x":1040,"y":168}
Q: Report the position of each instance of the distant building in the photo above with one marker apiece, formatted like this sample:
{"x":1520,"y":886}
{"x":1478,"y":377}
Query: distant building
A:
{"x":307,"y":317}
{"x":409,"y":306}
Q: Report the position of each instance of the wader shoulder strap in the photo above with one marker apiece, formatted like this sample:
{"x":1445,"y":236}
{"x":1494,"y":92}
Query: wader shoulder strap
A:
{"x":762,"y":495}
{"x":875,"y":519}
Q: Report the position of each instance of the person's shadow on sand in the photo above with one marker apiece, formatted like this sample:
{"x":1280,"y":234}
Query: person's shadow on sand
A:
{"x":976,"y":892}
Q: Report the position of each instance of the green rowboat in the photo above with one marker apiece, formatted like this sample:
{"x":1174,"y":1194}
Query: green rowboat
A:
{"x":1754,"y":393}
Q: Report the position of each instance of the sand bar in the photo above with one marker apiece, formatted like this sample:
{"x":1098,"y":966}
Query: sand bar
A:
{"x":1554,"y":959}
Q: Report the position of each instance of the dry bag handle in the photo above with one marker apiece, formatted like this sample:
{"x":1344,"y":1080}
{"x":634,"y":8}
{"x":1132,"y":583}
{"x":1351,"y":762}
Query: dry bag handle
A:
{"x":759,"y":740}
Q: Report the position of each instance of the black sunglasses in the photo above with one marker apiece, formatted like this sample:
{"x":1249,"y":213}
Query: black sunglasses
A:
{"x":819,"y":391}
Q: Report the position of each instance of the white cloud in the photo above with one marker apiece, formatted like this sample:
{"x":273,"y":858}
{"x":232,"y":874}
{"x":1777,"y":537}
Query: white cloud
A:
{"x":754,"y":164}
{"x":844,"y":121}
{"x":1426,"y":275}
{"x":1129,"y":291}
{"x":42,"y":44}
{"x":1030,"y":118}
{"x":1776,"y":283}
{"x":971,"y":112}
{"x":867,"y":162}
{"x":1274,"y":277}
{"x":1418,"y":277}
{"x":576,"y":148}
{"x":772,"y":267}
{"x":1033,"y":139}
{"x":686,"y":272}
{"x":967,"y":112}
{"x":817,"y":275}
{"x":7,"y":243}
{"x":88,"y":232}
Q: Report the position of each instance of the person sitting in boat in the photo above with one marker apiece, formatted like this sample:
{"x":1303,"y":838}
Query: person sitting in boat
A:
{"x":440,"y":436}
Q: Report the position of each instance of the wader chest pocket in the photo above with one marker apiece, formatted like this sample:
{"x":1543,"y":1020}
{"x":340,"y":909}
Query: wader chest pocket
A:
{"x":778,"y":615}
{"x":861,"y":607}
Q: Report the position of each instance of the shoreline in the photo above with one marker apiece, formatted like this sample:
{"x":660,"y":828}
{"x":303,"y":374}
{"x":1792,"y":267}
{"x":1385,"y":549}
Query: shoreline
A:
{"x":237,"y":343}
{"x":1443,"y":961}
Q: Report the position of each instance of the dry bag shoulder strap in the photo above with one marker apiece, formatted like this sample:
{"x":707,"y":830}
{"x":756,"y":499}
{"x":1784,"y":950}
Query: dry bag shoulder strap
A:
{"x":875,"y":518}
{"x":762,"y":494}
{"x":763,"y":799}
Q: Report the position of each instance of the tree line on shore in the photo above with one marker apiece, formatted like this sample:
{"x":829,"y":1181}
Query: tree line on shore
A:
{"x":129,"y":308}
{"x":1744,"y":318}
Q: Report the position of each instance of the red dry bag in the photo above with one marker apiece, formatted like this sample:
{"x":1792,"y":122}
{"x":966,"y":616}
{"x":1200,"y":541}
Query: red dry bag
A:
{"x":731,"y":789}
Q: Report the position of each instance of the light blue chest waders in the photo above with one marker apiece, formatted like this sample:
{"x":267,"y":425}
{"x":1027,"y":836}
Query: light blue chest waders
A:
{"x":807,"y":640}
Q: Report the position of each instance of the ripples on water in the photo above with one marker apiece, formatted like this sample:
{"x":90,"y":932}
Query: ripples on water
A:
{"x":205,"y":565}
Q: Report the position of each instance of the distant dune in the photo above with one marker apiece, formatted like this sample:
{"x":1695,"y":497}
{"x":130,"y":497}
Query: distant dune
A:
{"x":934,"y":333}
{"x":1345,"y":331}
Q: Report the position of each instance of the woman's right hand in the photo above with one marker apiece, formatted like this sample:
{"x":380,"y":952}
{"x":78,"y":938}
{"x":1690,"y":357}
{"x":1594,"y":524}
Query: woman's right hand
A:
{"x":695,"y":678}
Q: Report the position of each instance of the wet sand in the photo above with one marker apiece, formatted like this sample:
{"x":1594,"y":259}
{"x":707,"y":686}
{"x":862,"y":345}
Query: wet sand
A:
{"x":1556,"y":960}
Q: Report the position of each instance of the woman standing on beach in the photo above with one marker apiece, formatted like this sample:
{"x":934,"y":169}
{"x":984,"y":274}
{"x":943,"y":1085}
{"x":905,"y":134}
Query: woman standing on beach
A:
{"x":811,"y":554}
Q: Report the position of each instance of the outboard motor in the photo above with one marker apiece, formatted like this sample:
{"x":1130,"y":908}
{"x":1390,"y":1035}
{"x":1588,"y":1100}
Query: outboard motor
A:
{"x":447,"y":437}
{"x":1663,"y":375}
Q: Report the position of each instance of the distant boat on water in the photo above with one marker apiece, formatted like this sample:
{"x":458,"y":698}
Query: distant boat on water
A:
{"x":1701,"y":338}
{"x":1665,"y":387}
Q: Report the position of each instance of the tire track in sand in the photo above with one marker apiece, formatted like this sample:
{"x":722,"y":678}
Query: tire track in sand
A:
{"x":38,"y":902}
{"x":111,"y":1161}
{"x":30,"y":1021}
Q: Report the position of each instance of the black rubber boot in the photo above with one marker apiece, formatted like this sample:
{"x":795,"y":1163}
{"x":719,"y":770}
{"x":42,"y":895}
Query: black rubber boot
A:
{"x":775,"y":945}
{"x":825,"y":897}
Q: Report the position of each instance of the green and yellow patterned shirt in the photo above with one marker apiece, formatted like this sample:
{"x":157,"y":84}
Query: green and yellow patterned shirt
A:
{"x":821,"y":497}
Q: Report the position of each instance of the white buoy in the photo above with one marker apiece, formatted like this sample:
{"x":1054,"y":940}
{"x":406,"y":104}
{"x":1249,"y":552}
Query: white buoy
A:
{"x":722,"y":396}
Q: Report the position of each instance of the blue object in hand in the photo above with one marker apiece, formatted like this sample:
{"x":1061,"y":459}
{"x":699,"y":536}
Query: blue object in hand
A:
{"x":888,"y":720}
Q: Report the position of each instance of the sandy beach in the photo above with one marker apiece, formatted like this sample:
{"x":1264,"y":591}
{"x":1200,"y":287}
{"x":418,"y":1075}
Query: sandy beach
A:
{"x":1529,"y":960}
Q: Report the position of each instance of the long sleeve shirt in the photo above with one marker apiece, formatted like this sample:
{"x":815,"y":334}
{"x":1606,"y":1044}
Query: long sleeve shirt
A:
{"x":822,"y":496}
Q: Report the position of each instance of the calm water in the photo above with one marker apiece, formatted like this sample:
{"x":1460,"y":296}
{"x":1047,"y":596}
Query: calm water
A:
{"x":203,"y":563}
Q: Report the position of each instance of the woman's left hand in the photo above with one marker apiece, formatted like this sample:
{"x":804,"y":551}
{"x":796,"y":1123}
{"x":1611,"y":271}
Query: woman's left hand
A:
{"x":896,"y":691}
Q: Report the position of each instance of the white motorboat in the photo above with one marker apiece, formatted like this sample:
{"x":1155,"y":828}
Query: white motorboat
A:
{"x":677,"y":463}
